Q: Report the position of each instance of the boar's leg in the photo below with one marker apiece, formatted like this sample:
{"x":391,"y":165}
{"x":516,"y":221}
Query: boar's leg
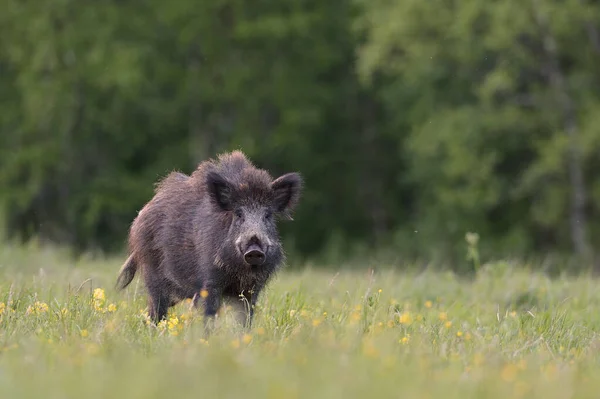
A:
{"x":158,"y":306}
{"x":243,"y":306}
{"x":211,"y":299}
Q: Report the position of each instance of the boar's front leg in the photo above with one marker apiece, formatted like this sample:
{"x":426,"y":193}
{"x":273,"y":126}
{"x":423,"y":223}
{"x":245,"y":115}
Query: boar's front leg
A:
{"x":210,"y":297}
{"x":245,"y":307}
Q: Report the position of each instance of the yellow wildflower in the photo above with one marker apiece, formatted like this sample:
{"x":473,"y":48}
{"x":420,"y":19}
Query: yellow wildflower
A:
{"x":37,"y":308}
{"x":428,"y":304}
{"x":459,"y":334}
{"x":84,"y":333}
{"x":99,"y":295}
{"x":509,"y":372}
{"x":203,"y":293}
{"x":405,"y":339}
{"x":316,"y":322}
{"x":174,"y":326}
{"x":405,"y":318}
{"x":112,"y":307}
{"x":247,"y":338}
{"x":448,"y":324}
{"x":2,"y":307}
{"x":443,"y":316}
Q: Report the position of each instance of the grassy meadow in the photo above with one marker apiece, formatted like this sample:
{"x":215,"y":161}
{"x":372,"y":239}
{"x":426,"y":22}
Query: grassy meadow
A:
{"x":507,"y":332}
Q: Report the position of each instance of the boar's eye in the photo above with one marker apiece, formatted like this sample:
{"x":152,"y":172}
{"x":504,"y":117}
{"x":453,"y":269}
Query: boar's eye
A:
{"x":268,"y":214}
{"x":239,"y":213}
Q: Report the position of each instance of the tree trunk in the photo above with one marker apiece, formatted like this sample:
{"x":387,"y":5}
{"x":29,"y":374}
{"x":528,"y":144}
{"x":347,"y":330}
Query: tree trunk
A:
{"x":566,"y":104}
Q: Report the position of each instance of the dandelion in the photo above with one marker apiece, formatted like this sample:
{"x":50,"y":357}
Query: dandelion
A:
{"x":247,"y":338}
{"x":99,"y":294}
{"x":448,"y":324}
{"x":513,"y":314}
{"x":443,"y":316}
{"x":459,"y":334}
{"x":84,"y":333}
{"x":428,"y":304}
{"x":98,"y":299}
{"x":380,"y":291}
{"x":405,"y":340}
{"x":203,"y":293}
{"x":112,"y":307}
{"x":174,"y":326}
{"x":405,"y":318}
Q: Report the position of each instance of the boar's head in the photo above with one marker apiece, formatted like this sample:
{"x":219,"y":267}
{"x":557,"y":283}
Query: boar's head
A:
{"x":250,"y":202}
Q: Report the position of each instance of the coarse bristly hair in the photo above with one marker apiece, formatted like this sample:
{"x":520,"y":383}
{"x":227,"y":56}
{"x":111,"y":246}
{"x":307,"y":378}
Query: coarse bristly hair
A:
{"x":191,"y":235}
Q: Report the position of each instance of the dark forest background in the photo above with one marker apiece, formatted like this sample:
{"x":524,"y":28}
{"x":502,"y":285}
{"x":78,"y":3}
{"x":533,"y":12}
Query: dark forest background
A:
{"x":413,"y":122}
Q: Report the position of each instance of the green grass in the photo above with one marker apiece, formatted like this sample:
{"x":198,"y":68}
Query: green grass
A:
{"x":507,"y":333}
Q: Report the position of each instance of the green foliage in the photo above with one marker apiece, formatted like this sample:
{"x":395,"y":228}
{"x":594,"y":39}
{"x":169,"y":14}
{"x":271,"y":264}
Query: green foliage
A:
{"x":413,"y":122}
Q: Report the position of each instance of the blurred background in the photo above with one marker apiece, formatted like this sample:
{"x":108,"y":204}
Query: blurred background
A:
{"x":413,"y":122}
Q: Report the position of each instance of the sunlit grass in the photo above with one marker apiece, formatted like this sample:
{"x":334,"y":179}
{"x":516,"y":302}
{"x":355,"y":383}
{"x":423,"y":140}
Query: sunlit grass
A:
{"x":509,"y":332}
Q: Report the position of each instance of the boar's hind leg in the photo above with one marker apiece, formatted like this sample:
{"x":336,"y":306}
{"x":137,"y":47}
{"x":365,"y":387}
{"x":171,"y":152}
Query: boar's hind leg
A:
{"x":158,"y":306}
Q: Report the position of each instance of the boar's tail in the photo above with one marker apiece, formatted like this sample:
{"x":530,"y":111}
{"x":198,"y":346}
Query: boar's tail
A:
{"x":126,"y":273}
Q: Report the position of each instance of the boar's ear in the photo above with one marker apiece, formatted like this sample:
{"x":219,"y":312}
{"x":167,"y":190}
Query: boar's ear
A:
{"x":219,"y":190}
{"x":287,"y":190}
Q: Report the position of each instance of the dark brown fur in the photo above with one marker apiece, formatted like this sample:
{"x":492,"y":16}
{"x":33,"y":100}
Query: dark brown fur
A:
{"x":194,"y":234}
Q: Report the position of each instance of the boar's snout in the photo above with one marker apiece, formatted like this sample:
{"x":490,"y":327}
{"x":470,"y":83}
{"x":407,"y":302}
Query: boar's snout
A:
{"x":254,"y":250}
{"x":254,"y":256}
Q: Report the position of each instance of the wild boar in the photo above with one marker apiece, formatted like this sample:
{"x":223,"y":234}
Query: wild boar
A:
{"x":212,"y":235}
